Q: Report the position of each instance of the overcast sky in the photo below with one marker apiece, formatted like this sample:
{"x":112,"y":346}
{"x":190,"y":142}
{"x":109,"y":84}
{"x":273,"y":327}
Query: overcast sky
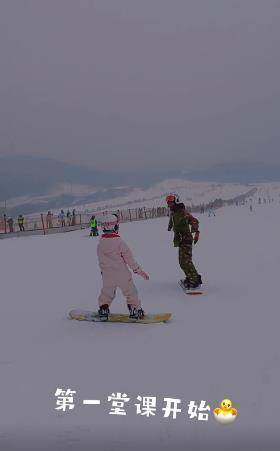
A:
{"x":125,"y":84}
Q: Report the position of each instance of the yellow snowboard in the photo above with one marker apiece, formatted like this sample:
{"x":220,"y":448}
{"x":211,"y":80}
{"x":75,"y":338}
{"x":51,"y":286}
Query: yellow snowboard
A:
{"x":87,"y":315}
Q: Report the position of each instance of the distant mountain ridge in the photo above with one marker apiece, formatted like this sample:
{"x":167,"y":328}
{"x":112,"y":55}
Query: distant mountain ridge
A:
{"x":31,"y":184}
{"x":25,"y":175}
{"x":37,"y":176}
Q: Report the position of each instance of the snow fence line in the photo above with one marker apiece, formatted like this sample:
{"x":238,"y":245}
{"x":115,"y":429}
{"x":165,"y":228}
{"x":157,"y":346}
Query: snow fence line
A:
{"x":46,"y":224}
{"x":49,"y":224}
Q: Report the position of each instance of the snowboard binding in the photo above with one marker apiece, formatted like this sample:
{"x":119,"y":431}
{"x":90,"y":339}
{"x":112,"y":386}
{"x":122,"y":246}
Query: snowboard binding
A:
{"x":190,"y":285}
{"x":191,"y":288}
{"x":135,"y":313}
{"x":104,"y":312}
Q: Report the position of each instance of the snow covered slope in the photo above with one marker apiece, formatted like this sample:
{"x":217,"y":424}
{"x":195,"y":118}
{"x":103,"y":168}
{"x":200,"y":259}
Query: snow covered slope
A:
{"x":194,"y":193}
{"x":224,"y":344}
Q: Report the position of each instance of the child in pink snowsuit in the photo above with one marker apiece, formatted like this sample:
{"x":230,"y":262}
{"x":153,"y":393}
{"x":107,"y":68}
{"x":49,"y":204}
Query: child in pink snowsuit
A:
{"x":114,"y":257}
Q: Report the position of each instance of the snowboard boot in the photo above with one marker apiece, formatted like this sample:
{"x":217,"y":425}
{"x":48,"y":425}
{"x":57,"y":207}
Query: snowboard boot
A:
{"x":197,"y":284}
{"x":187,"y":283}
{"x":135,"y":313}
{"x":103,"y":312}
{"x":191,"y":285}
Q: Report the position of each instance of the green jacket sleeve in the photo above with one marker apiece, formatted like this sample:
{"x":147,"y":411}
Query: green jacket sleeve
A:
{"x":170,"y":223}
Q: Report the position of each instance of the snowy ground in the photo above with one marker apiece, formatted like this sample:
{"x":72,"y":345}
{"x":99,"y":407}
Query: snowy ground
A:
{"x":222,"y":344}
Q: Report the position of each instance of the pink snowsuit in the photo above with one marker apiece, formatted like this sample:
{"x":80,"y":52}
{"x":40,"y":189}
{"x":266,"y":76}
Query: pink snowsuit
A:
{"x":113,"y":256}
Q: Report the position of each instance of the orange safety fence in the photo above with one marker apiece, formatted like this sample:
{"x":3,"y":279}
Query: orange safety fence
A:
{"x":49,"y":222}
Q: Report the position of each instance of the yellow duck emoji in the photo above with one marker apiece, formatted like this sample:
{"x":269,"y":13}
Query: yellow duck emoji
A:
{"x":225,"y":414}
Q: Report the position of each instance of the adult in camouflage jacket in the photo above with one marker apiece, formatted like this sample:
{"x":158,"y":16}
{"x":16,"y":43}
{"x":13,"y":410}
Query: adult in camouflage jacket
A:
{"x":184,"y":225}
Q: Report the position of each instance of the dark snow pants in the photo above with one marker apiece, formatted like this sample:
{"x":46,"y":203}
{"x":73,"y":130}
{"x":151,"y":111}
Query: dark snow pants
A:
{"x":186,"y":263}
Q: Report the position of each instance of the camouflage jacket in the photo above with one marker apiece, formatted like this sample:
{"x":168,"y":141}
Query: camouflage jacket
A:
{"x":183,"y":225}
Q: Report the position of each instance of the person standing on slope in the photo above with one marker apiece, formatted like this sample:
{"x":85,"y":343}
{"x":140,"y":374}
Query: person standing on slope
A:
{"x":10,"y":222}
{"x":61,"y":218}
{"x":21,"y":223}
{"x":184,"y":225}
{"x":93,"y":226}
{"x":114,"y":257}
{"x":68,"y":216}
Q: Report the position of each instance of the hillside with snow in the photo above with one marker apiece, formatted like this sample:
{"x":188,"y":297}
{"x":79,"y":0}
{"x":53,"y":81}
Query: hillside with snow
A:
{"x":191,"y":193}
{"x":88,"y":197}
{"x":224,"y":344}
